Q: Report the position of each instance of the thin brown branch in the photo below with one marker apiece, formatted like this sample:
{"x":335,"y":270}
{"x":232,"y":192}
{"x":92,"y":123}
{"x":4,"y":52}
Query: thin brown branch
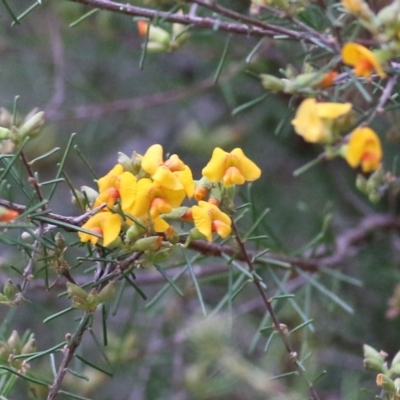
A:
{"x":347,"y":244}
{"x":278,"y":327}
{"x":251,"y":27}
{"x":69,"y":351}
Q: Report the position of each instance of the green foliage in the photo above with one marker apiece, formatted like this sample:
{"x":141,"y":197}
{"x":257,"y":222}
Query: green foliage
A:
{"x":283,"y":306}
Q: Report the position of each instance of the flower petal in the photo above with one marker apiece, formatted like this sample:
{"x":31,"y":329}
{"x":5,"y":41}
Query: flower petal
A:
{"x":152,"y":159}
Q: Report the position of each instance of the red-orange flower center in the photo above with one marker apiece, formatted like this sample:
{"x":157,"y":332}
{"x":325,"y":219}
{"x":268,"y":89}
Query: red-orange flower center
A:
{"x":363,"y":67}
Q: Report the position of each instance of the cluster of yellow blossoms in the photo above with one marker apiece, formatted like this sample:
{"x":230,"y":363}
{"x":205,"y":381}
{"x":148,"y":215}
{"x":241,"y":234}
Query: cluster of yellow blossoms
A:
{"x":141,"y":195}
{"x":321,"y":123}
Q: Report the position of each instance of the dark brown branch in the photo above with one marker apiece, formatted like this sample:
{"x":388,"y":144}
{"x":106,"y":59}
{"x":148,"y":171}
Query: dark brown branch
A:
{"x":250,"y":28}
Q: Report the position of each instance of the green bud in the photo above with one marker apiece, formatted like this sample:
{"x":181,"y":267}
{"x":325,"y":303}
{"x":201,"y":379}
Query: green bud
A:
{"x":32,"y":125}
{"x":60,"y":242}
{"x":157,"y":257}
{"x":80,"y":304}
{"x":373,"y":364}
{"x":107,"y":293}
{"x":159,"y":36}
{"x":154,"y":47}
{"x":361,"y":183}
{"x":370,"y":352}
{"x":134,"y":232}
{"x":92,"y":302}
{"x":14,"y":342}
{"x":176,"y":213}
{"x":150,"y":243}
{"x":195,"y":234}
{"x":385,"y":383}
{"x":10,"y":290}
{"x":4,"y":133}
{"x":76,"y":291}
{"x":374,"y":196}
{"x":309,"y":80}
{"x":396,"y":359}
{"x":272,"y":83}
{"x":29,"y":346}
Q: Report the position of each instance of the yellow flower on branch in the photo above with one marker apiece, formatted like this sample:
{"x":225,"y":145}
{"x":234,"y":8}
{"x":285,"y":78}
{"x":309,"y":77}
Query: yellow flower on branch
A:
{"x":364,"y":148}
{"x":172,"y":174}
{"x":364,"y":61}
{"x":117,"y":184}
{"x":103,"y":223}
{"x":153,"y":200}
{"x":232,"y":168}
{"x":313,"y":121}
{"x":208,"y":219}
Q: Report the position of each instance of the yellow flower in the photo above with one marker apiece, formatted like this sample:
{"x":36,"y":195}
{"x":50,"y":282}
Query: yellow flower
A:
{"x":353,"y":6}
{"x":232,"y":168}
{"x":153,"y":200}
{"x":364,"y":149}
{"x":117,"y":184}
{"x":208,"y":218}
{"x":103,"y":223}
{"x":172,"y":174}
{"x":363,"y":60}
{"x":313,"y":121}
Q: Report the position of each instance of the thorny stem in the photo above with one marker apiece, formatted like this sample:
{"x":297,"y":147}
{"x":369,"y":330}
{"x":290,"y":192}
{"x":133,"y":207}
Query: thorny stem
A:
{"x":249,"y":26}
{"x":277,"y":325}
{"x":346,"y":244}
{"x":33,"y":181}
{"x":69,"y":351}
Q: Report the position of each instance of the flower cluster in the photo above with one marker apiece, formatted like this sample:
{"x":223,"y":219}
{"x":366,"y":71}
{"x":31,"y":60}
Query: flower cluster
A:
{"x":139,"y":198}
{"x":320,"y":123}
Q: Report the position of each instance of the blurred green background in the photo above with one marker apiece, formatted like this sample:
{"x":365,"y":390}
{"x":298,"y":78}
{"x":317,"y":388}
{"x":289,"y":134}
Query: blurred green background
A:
{"x":87,"y":79}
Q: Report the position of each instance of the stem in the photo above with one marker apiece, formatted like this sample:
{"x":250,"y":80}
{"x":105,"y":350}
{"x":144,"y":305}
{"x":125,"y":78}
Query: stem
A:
{"x":279,"y":328}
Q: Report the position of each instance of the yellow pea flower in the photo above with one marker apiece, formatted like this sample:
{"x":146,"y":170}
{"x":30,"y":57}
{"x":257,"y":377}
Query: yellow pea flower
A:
{"x":103,"y":223}
{"x":208,"y":218}
{"x":117,"y":184}
{"x":232,"y":168}
{"x":172,"y":174}
{"x":364,"y":61}
{"x":364,"y":148}
{"x":152,"y":200}
{"x":313,"y":121}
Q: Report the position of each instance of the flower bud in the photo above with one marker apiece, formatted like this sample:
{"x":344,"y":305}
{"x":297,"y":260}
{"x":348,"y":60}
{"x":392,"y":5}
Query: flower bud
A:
{"x":10,"y":290}
{"x":150,"y":243}
{"x":29,"y":346}
{"x":373,"y":360}
{"x":7,"y":215}
{"x":14,"y":342}
{"x":385,"y":383}
{"x":75,"y":291}
{"x":134,"y":232}
{"x":4,"y":133}
{"x":361,"y":183}
{"x":32,"y":125}
{"x":106,"y":293}
{"x":272,"y":83}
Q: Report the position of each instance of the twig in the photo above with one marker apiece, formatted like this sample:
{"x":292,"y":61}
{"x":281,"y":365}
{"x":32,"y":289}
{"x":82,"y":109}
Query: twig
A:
{"x":386,"y":93}
{"x":250,"y":28}
{"x":69,"y":352}
{"x":279,"y":328}
{"x":346,"y":245}
{"x":33,"y":181}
